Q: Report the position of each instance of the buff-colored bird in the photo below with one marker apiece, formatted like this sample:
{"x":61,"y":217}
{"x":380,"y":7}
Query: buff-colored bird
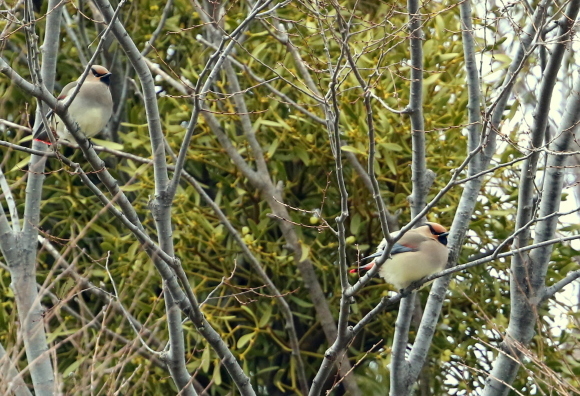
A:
{"x":91,"y":108}
{"x":419,"y":253}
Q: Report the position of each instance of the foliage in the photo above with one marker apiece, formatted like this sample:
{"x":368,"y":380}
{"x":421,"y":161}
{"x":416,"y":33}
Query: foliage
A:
{"x":298,"y":155}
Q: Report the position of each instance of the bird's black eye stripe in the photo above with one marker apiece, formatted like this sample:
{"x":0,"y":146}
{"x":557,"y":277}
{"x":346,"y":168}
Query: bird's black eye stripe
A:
{"x":96,"y":73}
{"x":433,"y":230}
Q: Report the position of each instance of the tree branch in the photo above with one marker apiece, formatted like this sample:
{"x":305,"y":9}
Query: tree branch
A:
{"x":471,"y":190}
{"x":528,"y":275}
{"x":10,"y":377}
{"x":551,"y":291}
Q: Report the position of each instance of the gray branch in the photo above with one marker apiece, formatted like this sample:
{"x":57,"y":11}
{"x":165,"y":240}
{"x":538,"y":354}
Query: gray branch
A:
{"x":5,"y":188}
{"x":160,"y":25}
{"x":19,"y":248}
{"x":484,"y":152}
{"x":399,"y":373}
{"x":556,"y":287}
{"x":10,"y":377}
{"x":529,"y":273}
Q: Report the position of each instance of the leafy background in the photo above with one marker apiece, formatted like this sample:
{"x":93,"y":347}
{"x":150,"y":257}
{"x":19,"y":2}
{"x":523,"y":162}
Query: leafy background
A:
{"x":298,"y":153}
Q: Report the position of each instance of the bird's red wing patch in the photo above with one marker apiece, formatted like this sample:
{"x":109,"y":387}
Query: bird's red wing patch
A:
{"x":43,"y":141}
{"x":363,"y":268}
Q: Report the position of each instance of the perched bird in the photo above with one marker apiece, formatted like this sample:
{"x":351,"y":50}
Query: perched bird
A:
{"x":419,"y":253}
{"x":91,"y":108}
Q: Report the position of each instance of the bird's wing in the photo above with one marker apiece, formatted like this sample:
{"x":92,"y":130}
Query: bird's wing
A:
{"x":408,"y":243}
{"x":400,"y":248}
{"x":67,"y":89}
{"x":397,"y":249}
{"x":40,"y":132}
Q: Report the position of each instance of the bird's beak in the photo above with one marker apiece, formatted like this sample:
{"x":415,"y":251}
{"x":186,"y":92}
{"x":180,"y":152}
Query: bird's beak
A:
{"x":106,"y":78}
{"x":444,"y":234}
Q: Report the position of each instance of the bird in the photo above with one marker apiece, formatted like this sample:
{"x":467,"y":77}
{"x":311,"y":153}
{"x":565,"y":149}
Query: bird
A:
{"x":420,"y":252}
{"x":91,"y":108}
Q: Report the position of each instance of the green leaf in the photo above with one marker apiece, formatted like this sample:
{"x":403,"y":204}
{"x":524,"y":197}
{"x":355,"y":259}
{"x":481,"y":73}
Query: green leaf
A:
{"x":305,"y":251}
{"x":439,"y":25}
{"x":391,"y":164}
{"x":21,"y":164}
{"x":268,"y":369}
{"x":449,"y":56}
{"x":265,"y":317}
{"x":131,"y":187}
{"x":273,"y":147}
{"x":501,"y":213}
{"x":391,"y":146}
{"x":74,"y":366}
{"x":302,"y":303}
{"x":259,"y":48}
{"x":303,"y":155}
{"x":273,"y":124}
{"x":352,"y":149}
{"x":132,"y":251}
{"x":217,"y":375}
{"x":101,"y":230}
{"x":355,"y":224}
{"x":250,"y":312}
{"x":205,"y":359}
{"x":245,"y":339}
{"x":432,"y":79}
{"x":107,"y":144}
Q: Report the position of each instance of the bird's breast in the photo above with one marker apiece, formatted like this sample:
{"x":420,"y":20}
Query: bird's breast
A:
{"x":404,"y":268}
{"x":92,"y":116}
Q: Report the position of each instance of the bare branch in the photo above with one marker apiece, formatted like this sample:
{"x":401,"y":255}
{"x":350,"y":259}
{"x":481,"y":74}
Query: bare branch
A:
{"x":12,"y":209}
{"x":149,"y":45}
{"x":10,"y":377}
{"x":551,"y":291}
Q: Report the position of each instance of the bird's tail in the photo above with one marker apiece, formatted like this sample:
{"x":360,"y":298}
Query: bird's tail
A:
{"x":41,"y":135}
